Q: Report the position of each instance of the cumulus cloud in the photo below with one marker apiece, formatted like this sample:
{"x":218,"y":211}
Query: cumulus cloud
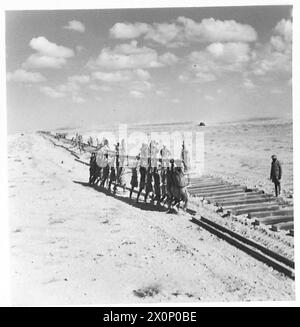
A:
{"x":71,"y":88}
{"x":140,"y":85}
{"x":213,"y":30}
{"x":121,"y":76}
{"x":160,"y":93}
{"x":248,"y":84}
{"x":285,"y":29}
{"x":75,"y":25}
{"x":81,"y":79}
{"x":168,"y":59}
{"x":48,"y":54}
{"x":276,"y":56}
{"x":38,"y":61}
{"x":215,"y":60}
{"x":185,"y":30}
{"x":128,"y":30}
{"x":229,"y":52}
{"x":23,"y":76}
{"x":51,"y":92}
{"x":136,"y":94}
{"x":130,"y":56}
{"x":78,"y":99}
{"x":168,"y":34}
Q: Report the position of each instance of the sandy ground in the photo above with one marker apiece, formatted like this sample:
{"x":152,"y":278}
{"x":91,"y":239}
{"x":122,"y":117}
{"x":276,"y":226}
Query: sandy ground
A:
{"x":71,"y":244}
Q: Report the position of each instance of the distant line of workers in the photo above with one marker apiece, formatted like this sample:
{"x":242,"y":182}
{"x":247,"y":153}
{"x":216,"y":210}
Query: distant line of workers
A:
{"x":162,"y":173}
{"x":162,"y":179}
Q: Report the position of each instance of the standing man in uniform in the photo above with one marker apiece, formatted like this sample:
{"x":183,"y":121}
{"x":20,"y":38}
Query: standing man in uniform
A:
{"x":275,"y":174}
{"x":92,"y":168}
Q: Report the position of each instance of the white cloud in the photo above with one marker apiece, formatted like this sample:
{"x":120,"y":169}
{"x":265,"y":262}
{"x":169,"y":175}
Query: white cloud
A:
{"x":23,"y":76}
{"x":197,"y":77}
{"x":213,"y":30}
{"x":51,"y":92}
{"x":130,"y":56}
{"x":168,"y":34}
{"x":276,"y":56}
{"x":128,"y":31}
{"x":44,"y":47}
{"x":81,"y":79}
{"x":48,"y":55}
{"x":136,"y":94}
{"x":140,"y":85}
{"x":160,"y":93}
{"x":78,"y":99}
{"x":99,"y":99}
{"x":68,"y":87}
{"x":248,"y":84}
{"x":38,"y":61}
{"x":126,"y":56}
{"x":122,"y":75}
{"x":229,"y":52}
{"x":94,"y":87}
{"x":168,"y":59}
{"x":278,"y":43}
{"x":112,"y":77}
{"x":216,"y":60}
{"x":285,"y":29}
{"x":175,"y":100}
{"x":185,"y":30}
{"x":75,"y":25}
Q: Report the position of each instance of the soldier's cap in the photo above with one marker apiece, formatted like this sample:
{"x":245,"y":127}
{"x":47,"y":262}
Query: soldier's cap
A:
{"x":274,"y":156}
{"x":172,"y":160}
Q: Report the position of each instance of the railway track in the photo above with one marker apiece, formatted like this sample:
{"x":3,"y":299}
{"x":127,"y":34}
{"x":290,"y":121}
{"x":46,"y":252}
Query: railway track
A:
{"x":235,"y":200}
{"x":238,"y":200}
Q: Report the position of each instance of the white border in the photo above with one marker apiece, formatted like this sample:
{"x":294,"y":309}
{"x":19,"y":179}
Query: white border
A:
{"x":105,"y":4}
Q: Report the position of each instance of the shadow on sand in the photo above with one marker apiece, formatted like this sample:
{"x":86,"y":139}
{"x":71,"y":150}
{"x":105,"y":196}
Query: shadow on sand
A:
{"x":141,"y":205}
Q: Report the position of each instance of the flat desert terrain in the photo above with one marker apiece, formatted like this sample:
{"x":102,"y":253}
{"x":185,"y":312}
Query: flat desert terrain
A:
{"x":73,"y":245}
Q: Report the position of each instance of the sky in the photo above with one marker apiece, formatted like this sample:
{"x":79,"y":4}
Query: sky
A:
{"x":84,"y":68}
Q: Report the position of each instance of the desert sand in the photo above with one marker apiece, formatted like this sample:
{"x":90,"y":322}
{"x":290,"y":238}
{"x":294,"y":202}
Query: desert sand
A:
{"x":73,"y":245}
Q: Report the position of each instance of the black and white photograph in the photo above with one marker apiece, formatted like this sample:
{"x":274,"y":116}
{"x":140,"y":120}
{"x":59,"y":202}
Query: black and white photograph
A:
{"x":150,"y":154}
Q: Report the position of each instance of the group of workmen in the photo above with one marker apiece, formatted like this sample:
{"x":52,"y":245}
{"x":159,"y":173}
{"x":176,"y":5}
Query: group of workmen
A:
{"x":162,"y":179}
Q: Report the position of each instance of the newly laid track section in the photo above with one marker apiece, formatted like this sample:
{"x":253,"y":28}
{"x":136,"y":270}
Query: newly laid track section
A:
{"x":238,"y":200}
{"x":230,"y":198}
{"x":260,"y":252}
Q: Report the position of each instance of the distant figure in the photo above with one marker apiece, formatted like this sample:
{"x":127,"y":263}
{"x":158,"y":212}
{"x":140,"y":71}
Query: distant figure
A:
{"x":143,"y":171}
{"x":134,"y":177}
{"x":149,"y":186}
{"x":275,"y":175}
{"x":156,"y":177}
{"x":92,"y":168}
{"x":105,"y":171}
